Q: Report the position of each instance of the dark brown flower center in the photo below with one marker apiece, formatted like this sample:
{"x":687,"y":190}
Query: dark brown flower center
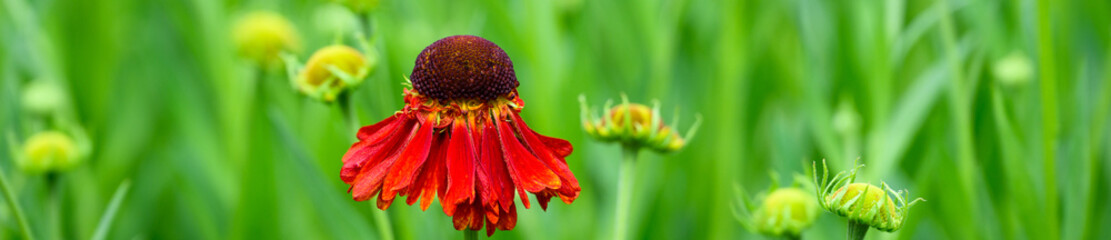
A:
{"x":463,"y":67}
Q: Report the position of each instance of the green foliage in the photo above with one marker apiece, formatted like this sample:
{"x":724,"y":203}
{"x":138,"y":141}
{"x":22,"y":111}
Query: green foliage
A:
{"x":214,"y":147}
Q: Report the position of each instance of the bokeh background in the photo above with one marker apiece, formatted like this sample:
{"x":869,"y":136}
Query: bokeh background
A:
{"x":996,"y":112}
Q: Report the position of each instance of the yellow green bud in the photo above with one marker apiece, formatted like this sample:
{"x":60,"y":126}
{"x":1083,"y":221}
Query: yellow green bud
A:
{"x":332,"y":70}
{"x":786,"y":211}
{"x":1013,"y":69}
{"x":635,"y":125}
{"x":262,"y":35}
{"x":48,"y":151}
{"x":879,"y":207}
{"x":43,"y":97}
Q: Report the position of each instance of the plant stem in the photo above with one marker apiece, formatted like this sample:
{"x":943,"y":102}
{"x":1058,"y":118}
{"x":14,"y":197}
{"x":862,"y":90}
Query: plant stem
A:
{"x":349,"y":115}
{"x":470,"y":234}
{"x":381,"y":220}
{"x":625,"y":191}
{"x":792,"y":237}
{"x":14,"y":207}
{"x":54,"y":208}
{"x":857,"y":230}
{"x":1048,"y":89}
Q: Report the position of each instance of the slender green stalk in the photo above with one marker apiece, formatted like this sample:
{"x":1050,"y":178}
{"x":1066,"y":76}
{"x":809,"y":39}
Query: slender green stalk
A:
{"x":381,"y":220}
{"x":961,"y":117}
{"x":1048,"y":89}
{"x":110,"y":213}
{"x":792,"y":237}
{"x":625,"y":191}
{"x":857,"y":230}
{"x":54,"y":206}
{"x":470,"y":234}
{"x":24,"y":228}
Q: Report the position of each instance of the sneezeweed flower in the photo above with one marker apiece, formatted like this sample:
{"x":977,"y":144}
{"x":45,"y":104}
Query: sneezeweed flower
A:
{"x":262,"y":35}
{"x":49,"y":151}
{"x":460,"y":137}
{"x":865,"y":205}
{"x":635,"y":125}
{"x":781,"y":213}
{"x":330,"y":71}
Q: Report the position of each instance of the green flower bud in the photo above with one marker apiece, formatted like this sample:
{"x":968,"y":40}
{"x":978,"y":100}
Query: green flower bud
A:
{"x":636,"y":125}
{"x":332,"y":70}
{"x":782,"y":213}
{"x":1013,"y":69}
{"x":262,"y":35}
{"x":43,"y":97}
{"x":48,"y":151}
{"x":863,"y":204}
{"x":787,"y":211}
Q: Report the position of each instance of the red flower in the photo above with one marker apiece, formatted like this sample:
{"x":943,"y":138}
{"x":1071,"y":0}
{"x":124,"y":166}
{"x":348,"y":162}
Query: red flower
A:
{"x":460,"y":137}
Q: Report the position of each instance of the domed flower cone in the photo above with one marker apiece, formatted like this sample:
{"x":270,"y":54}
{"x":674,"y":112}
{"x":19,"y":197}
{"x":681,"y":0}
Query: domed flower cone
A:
{"x":865,"y":205}
{"x":460,"y":138}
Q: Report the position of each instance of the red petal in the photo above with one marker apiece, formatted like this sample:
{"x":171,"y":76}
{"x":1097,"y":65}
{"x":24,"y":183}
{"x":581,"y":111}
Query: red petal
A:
{"x":461,"y":167}
{"x":468,"y":216}
{"x":369,"y":180}
{"x":404,"y":168}
{"x":509,"y":221}
{"x":524,"y":197}
{"x":498,"y":186}
{"x":560,"y":147}
{"x":432,"y":178}
{"x":528,"y":173}
{"x":372,"y":139}
{"x":544,"y":197}
{"x":374,"y":131}
{"x":569,"y":190}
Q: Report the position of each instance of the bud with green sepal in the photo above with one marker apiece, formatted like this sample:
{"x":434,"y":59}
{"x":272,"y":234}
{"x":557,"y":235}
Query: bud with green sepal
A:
{"x":781,"y":212}
{"x":332,"y":71}
{"x":635,"y":125}
{"x":865,"y":205}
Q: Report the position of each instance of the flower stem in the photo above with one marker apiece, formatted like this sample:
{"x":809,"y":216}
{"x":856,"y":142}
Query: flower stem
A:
{"x":470,"y":234}
{"x":625,"y":191}
{"x":857,"y":230}
{"x":14,"y":207}
{"x":381,"y":220}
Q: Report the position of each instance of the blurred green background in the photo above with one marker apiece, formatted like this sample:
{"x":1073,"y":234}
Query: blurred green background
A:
{"x":996,"y":112}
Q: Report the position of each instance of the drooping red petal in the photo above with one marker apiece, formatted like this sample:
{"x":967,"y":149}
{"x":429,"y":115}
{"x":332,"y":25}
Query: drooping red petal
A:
{"x":468,"y":216}
{"x":507,"y":223}
{"x":368,"y":181}
{"x":528,"y":173}
{"x":510,"y":219}
{"x":372,"y":139}
{"x":404,"y":169}
{"x":560,"y":147}
{"x":544,"y":197}
{"x":461,"y":156}
{"x":569,"y":189}
{"x":493,"y":174}
{"x":374,"y":130}
{"x":432,"y":178}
